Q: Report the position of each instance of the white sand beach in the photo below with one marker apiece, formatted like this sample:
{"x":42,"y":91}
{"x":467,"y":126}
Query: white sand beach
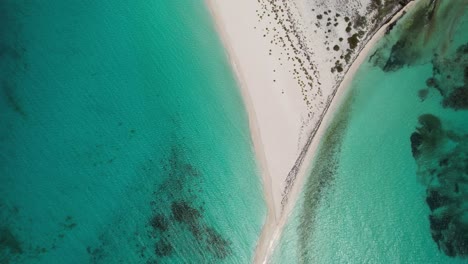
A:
{"x":290,"y":76}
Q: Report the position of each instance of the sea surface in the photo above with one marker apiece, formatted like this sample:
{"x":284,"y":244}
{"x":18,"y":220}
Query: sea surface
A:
{"x":390,"y":181}
{"x":123,"y":136}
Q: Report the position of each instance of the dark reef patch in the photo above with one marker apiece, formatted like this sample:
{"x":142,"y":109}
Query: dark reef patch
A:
{"x":217,"y":245}
{"x":9,"y":245}
{"x":177,"y":208}
{"x":176,"y":216}
{"x":16,"y":245}
{"x":397,"y":57}
{"x":96,"y":255}
{"x":435,"y":200}
{"x":402,"y":52}
{"x":12,"y":246}
{"x":427,"y":135}
{"x":422,"y":94}
{"x":416,"y":141}
{"x":184,"y":213}
{"x":442,"y":159}
{"x":159,"y":222}
{"x":457,"y":99}
{"x":422,"y":36}
{"x":163,"y":248}
{"x":450,"y":78}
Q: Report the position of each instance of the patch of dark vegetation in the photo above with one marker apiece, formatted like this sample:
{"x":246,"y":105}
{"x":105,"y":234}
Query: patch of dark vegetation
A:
{"x":396,"y":59}
{"x":336,"y":48}
{"x":435,"y":200}
{"x":457,"y":99}
{"x":319,"y":16}
{"x":177,"y":208}
{"x":9,"y":243}
{"x":353,"y":41}
{"x":427,"y":136}
{"x":431,"y":82}
{"x":422,"y":94}
{"x":412,"y":44}
{"x":18,"y":247}
{"x":360,"y":22}
{"x":383,"y":9}
{"x":96,"y":255}
{"x":184,"y":213}
{"x":347,"y":56}
{"x":216,"y":244}
{"x":338,"y":67}
{"x":444,"y":172}
{"x":321,"y":177}
{"x":159,"y":222}
{"x":11,"y":248}
{"x":438,"y":223}
{"x":416,"y":141}
{"x":163,"y":248}
{"x":450,"y":78}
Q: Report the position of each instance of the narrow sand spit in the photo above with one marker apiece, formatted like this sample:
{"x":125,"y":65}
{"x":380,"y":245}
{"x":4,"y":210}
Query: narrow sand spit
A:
{"x":281,"y":120}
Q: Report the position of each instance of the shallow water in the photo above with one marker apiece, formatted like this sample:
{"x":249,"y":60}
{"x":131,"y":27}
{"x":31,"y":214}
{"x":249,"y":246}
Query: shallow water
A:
{"x":123,"y":138}
{"x":389,"y":184}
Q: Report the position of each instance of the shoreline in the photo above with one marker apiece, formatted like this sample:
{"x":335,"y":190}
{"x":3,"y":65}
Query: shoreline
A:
{"x":263,"y":252}
{"x":339,"y":96}
{"x":278,"y":211}
{"x":271,"y":216}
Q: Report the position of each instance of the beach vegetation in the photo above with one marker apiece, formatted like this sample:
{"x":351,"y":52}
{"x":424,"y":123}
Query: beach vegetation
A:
{"x":347,"y":56}
{"x":360,"y":22}
{"x":353,"y":41}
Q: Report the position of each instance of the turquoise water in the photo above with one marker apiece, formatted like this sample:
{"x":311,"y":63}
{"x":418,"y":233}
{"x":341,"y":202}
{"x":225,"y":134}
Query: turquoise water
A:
{"x":123,"y":137}
{"x":389,"y":184}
